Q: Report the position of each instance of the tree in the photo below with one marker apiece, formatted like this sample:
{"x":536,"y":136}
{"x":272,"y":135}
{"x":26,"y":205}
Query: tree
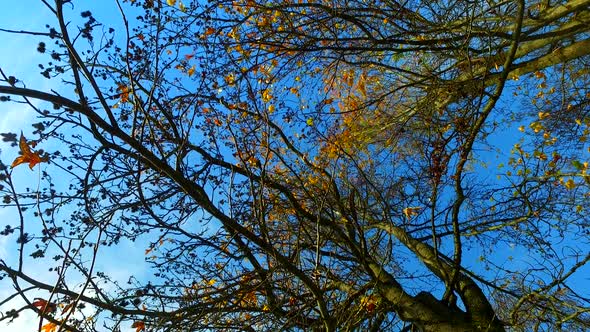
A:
{"x":307,"y":166}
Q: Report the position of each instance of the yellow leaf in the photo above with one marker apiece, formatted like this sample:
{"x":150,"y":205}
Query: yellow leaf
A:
{"x":171,"y":2}
{"x":230,"y":79}
{"x":543,"y":115}
{"x":309,"y":122}
{"x":182,"y":7}
{"x":211,"y":282}
{"x":536,"y":127}
{"x":570,"y":184}
{"x":266,"y":96}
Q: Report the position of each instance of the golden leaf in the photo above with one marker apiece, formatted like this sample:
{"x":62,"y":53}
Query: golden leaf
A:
{"x":28,"y":156}
{"x":570,"y":184}
{"x":191,"y":71}
{"x":409,"y":212}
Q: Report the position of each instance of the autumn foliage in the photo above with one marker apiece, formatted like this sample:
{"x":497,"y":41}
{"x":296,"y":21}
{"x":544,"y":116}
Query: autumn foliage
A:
{"x":301,"y":165}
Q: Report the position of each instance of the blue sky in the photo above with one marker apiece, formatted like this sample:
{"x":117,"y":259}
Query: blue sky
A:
{"x":13,"y":59}
{"x":18,"y":58}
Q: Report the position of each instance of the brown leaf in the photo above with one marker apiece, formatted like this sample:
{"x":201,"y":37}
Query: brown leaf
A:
{"x":138,"y":325}
{"x":44,"y":306}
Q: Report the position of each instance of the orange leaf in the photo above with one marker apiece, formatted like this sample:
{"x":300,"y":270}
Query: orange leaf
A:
{"x":49,"y":327}
{"x":138,"y":325}
{"x":409,"y":212}
{"x":124,"y":93}
{"x":191,"y":71}
{"x":209,"y":31}
{"x":28,"y":156}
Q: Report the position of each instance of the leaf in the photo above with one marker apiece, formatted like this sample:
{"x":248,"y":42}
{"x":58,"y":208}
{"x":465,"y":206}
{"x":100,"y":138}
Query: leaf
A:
{"x":44,"y":306}
{"x":266,"y":95}
{"x":409,"y":212}
{"x":209,"y":31}
{"x":578,"y":165}
{"x":309,"y":121}
{"x":138,"y":325}
{"x":191,"y":71}
{"x":171,"y":2}
{"x":570,"y":184}
{"x":33,"y":158}
{"x":124,"y":93}
{"x":369,"y":303}
{"x":539,"y":74}
{"x":49,"y":327}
